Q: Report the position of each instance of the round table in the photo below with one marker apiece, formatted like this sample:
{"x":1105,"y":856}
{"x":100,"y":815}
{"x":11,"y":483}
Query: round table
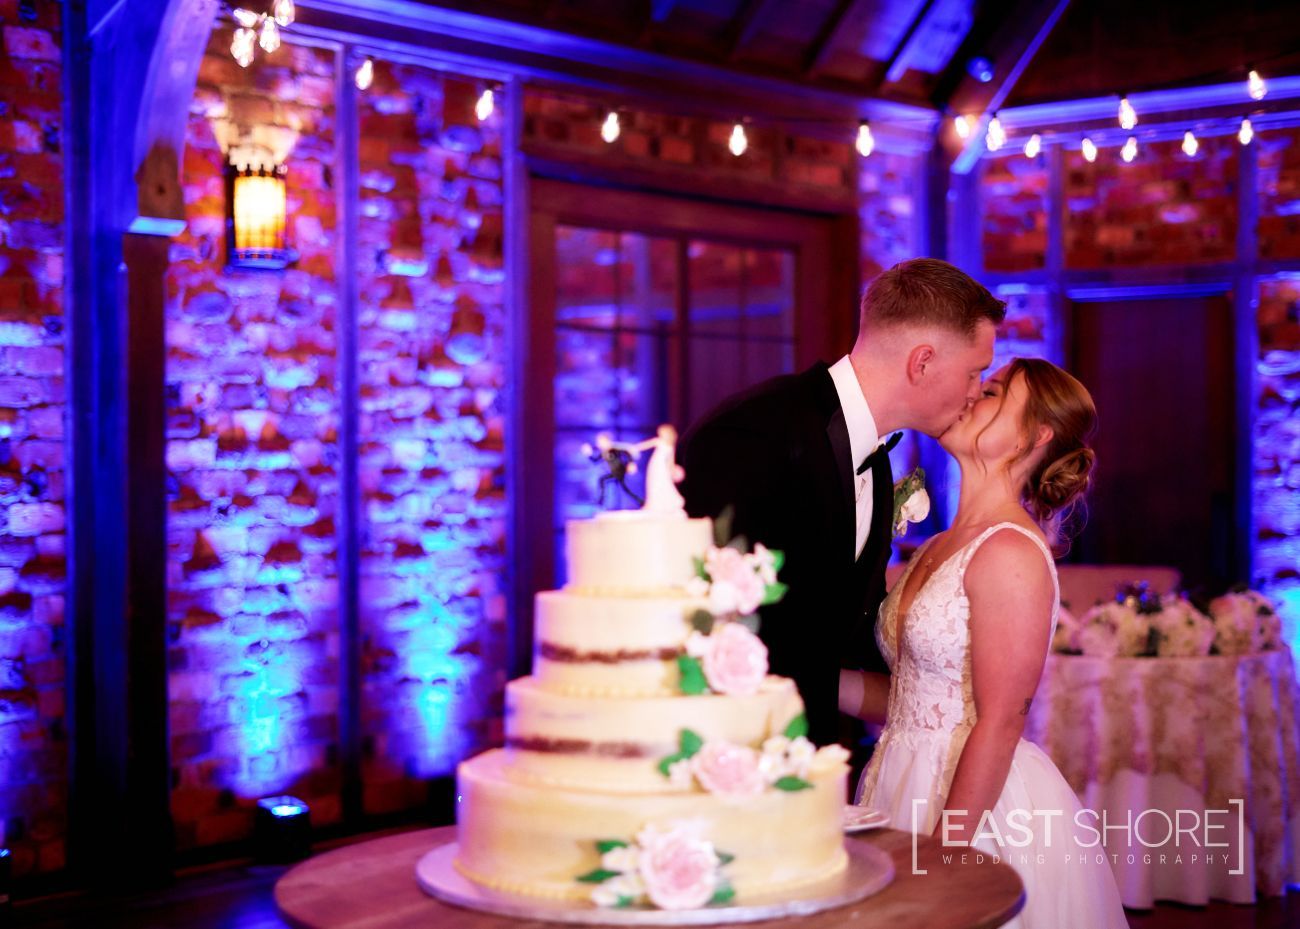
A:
{"x":1198,"y":741}
{"x":372,"y":885}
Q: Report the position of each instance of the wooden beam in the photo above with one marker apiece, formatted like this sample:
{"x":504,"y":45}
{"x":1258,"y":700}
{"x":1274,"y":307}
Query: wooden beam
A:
{"x":896,"y":66}
{"x":829,"y":36}
{"x":746,"y":25}
{"x":1011,"y":49}
{"x":660,"y":10}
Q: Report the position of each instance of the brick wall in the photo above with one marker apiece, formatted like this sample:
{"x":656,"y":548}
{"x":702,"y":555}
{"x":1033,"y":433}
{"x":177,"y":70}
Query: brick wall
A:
{"x":432,"y":446}
{"x":33,"y":672}
{"x":1276,"y":480}
{"x":252,"y":454}
{"x":1013,"y":222}
{"x":1278,"y":178}
{"x":888,"y":202}
{"x":1162,"y":209}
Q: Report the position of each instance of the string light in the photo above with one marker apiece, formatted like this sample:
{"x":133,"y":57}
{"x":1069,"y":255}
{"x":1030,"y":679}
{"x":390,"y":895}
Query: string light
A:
{"x":283,"y":12}
{"x":1246,"y":132}
{"x":1089,"y":150}
{"x":269,"y":38}
{"x":365,"y":75}
{"x":1128,"y":117}
{"x":1130,"y":149}
{"x":242,"y":46}
{"x":485,"y":105}
{"x":1033,"y":146}
{"x":996,"y":137}
{"x":962,"y":125}
{"x":738,"y":143}
{"x":1255,"y":86}
{"x":610,"y":128}
{"x":866,"y":142}
{"x":1190,"y":145}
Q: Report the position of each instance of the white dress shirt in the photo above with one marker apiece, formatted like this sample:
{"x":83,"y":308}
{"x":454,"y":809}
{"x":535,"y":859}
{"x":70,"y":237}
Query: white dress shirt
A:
{"x":863,"y":440}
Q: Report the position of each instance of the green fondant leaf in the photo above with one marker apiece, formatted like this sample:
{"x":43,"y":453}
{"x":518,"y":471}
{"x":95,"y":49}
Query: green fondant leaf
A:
{"x":667,"y":762}
{"x":724,"y":894}
{"x":773,"y":593}
{"x":598,"y":876}
{"x":778,"y":560}
{"x":790,"y":782}
{"x":797,"y":727}
{"x":724,"y":858}
{"x":608,"y":845}
{"x":692,"y":675}
{"x":689,"y":742}
{"x":699,"y":567}
{"x":702,"y":621}
{"x":624,"y":902}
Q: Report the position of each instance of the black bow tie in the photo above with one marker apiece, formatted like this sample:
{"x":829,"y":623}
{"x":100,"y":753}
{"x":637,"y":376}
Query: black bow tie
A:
{"x":881,"y":452}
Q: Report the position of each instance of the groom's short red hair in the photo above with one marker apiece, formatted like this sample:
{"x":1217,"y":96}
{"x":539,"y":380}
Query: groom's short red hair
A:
{"x":929,"y":292}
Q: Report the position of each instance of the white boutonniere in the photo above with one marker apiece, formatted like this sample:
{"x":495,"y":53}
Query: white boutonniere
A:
{"x":911,"y":502}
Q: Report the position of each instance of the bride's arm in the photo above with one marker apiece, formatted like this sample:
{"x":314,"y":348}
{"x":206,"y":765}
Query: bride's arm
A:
{"x":864,"y":694}
{"x":1009,"y":586}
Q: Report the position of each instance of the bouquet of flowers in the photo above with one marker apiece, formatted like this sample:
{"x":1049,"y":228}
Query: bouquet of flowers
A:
{"x":1245,"y":622}
{"x":1121,"y":628}
{"x":1182,"y":631}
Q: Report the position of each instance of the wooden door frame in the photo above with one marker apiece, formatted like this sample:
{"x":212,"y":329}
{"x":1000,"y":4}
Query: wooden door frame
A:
{"x":1243,"y":351}
{"x":818,"y":336}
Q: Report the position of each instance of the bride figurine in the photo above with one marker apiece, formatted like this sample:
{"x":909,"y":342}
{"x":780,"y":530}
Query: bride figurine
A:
{"x":662,"y":473}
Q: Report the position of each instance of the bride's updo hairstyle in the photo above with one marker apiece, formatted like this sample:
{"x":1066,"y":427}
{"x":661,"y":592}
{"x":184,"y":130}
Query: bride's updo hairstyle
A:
{"x":1055,"y":490}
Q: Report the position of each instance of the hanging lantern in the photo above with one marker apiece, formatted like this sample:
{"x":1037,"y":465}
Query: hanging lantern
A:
{"x":255,"y":220}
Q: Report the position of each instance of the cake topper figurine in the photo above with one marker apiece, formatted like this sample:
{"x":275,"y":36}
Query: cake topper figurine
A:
{"x":662,"y":471}
{"x":619,"y":460}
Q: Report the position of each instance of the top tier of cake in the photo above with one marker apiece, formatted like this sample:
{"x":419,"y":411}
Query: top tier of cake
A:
{"x":634,"y":552}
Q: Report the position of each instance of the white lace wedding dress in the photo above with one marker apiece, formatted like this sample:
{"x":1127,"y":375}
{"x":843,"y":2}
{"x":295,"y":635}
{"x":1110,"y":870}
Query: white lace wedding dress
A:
{"x":931,"y":711}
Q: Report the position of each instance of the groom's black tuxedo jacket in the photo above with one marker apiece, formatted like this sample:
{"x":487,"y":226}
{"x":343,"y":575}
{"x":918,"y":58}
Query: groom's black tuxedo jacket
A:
{"x":779,"y":454}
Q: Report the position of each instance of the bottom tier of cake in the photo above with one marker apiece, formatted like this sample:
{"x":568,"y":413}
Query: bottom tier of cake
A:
{"x":538,"y":840}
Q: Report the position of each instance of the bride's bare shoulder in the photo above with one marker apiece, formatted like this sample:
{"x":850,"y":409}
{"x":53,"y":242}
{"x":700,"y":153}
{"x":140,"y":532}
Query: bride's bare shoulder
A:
{"x":1010,"y":562}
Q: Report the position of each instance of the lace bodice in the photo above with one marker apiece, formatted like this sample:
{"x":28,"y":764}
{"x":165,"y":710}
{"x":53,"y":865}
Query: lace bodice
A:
{"x":931,"y":684}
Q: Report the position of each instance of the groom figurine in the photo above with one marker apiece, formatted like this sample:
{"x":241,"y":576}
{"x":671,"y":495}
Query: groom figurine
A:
{"x":802,"y":460}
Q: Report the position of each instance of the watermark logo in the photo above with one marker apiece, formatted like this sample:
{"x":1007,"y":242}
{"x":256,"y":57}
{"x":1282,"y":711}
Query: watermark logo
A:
{"x":1072,"y":837}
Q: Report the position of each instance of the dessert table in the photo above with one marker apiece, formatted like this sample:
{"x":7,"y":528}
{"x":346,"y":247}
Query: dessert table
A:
{"x":371,"y":885}
{"x":1145,"y":741}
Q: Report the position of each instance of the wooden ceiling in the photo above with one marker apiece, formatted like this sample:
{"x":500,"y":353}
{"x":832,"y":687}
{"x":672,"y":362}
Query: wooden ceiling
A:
{"x":919,"y":51}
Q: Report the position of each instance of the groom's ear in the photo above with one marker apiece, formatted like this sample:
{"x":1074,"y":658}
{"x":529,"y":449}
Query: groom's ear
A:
{"x":918,"y":360}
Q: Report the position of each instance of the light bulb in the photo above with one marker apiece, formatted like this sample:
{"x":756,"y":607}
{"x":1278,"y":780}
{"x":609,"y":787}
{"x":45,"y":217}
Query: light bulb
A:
{"x":365,"y":75}
{"x":996,"y":137}
{"x":246,"y":18}
{"x":1130,"y":149}
{"x":962,"y":125}
{"x":1246,"y":133}
{"x":283,"y":12}
{"x":1190,"y":145}
{"x":270,"y":37}
{"x":485,"y":105}
{"x":866,"y":141}
{"x":1089,"y":150}
{"x":242,"y":46}
{"x":1255,"y":86}
{"x":610,"y":128}
{"x":1033,"y":146}
{"x":1128,"y":117}
{"x":738,"y":143}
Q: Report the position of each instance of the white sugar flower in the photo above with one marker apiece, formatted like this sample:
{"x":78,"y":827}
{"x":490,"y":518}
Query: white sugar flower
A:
{"x":623,"y":858}
{"x":800,"y":755}
{"x":764,"y":563}
{"x":680,"y":774}
{"x":697,"y":645}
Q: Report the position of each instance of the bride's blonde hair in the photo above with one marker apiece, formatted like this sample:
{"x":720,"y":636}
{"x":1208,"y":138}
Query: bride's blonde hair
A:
{"x":1055,"y":490}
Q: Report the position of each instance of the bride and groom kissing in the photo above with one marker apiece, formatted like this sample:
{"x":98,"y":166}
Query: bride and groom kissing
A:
{"x":949,"y":658}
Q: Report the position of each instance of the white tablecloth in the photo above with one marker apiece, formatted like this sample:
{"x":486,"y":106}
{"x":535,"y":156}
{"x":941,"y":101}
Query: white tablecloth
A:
{"x":1165,"y":735}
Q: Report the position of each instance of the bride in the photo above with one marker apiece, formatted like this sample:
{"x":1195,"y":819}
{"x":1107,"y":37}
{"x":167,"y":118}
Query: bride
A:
{"x":965,"y":631}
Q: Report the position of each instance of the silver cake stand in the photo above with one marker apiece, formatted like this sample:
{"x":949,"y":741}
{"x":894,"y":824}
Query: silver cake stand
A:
{"x":869,"y":871}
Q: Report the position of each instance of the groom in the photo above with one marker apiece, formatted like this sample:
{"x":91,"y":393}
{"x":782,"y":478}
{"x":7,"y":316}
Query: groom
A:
{"x":801,"y":459}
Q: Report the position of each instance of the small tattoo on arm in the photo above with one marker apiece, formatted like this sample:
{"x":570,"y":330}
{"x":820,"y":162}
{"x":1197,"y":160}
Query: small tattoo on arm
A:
{"x":1025,"y":711}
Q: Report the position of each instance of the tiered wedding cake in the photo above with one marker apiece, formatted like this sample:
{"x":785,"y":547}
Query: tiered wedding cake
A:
{"x":650,"y":758}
